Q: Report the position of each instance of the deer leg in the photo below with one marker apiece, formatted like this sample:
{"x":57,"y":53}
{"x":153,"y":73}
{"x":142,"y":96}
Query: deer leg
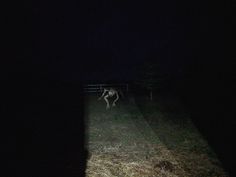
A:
{"x":114,"y":102}
{"x":106,"y":100}
{"x":104,"y":92}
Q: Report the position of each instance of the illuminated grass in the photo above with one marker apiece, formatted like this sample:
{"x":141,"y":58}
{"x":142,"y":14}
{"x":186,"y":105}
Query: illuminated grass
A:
{"x":148,"y":142}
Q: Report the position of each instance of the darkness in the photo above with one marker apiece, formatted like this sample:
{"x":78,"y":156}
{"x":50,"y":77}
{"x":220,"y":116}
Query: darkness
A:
{"x":52,"y":48}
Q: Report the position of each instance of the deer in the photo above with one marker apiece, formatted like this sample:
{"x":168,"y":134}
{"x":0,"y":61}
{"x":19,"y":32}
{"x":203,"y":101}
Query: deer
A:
{"x":109,"y":93}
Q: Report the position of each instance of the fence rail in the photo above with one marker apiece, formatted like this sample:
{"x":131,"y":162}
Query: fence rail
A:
{"x":95,"y":88}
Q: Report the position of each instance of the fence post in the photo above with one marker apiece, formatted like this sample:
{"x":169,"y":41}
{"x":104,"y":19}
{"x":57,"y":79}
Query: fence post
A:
{"x":100,"y":88}
{"x":127,"y":87}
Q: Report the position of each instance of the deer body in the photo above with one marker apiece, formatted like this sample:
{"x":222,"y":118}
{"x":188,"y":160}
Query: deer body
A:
{"x":109,"y":93}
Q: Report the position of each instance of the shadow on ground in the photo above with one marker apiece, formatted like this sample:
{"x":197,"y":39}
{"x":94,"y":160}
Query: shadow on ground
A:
{"x":43,"y":127}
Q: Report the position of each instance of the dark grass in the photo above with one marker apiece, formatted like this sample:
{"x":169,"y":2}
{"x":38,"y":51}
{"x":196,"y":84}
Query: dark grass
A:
{"x":139,"y":130}
{"x":172,"y":123}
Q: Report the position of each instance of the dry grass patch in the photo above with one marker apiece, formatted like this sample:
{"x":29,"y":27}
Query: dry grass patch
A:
{"x":128,"y":142}
{"x":158,"y":163}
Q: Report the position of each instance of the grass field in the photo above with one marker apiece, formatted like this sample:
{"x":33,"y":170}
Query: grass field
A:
{"x":139,"y":138}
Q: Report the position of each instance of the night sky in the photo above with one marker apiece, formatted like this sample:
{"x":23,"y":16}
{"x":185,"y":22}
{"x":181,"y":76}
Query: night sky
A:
{"x":109,"y":40}
{"x":123,"y":35}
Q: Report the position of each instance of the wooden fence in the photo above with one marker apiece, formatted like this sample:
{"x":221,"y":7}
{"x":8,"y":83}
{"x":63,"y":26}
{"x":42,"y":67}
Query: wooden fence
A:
{"x":96,"y":88}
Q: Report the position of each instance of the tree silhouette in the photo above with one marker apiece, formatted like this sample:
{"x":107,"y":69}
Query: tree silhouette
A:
{"x":151,"y":77}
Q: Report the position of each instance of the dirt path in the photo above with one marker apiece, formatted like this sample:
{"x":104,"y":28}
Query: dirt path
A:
{"x":121,"y":143}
